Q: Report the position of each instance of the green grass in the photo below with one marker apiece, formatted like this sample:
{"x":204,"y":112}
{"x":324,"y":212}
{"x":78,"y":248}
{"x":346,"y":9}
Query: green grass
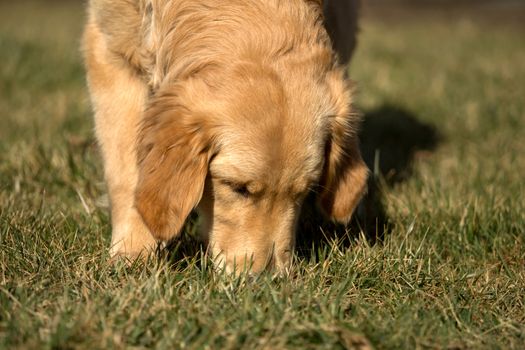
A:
{"x":450,"y":272}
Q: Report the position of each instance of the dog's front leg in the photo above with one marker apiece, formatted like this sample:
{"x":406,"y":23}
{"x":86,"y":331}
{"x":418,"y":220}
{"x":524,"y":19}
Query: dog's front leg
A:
{"x":118,"y":97}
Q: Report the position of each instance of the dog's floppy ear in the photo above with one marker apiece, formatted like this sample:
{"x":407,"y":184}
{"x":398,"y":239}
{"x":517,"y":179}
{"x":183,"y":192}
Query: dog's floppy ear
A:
{"x":345,"y":174}
{"x":173,"y":153}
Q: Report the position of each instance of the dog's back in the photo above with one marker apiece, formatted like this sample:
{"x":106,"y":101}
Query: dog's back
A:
{"x":175,"y":36}
{"x":147,"y":33}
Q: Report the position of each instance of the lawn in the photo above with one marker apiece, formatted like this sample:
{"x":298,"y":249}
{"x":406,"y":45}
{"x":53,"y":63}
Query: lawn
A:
{"x":444,"y":131}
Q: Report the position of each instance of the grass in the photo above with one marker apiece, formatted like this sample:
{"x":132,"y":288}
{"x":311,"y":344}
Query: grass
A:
{"x":445,"y":124}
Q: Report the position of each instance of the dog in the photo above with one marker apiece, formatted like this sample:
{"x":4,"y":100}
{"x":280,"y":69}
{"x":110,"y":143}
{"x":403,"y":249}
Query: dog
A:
{"x":236,"y":108}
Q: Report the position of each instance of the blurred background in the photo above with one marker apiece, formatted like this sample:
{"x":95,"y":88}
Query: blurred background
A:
{"x":499,"y":11}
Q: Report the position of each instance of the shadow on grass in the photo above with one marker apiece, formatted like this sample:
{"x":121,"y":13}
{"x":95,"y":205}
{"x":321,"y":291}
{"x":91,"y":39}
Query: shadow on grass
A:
{"x":185,"y":249}
{"x":391,"y":139}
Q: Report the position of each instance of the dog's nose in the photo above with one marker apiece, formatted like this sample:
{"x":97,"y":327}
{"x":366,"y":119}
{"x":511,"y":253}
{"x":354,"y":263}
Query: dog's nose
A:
{"x":258,"y":263}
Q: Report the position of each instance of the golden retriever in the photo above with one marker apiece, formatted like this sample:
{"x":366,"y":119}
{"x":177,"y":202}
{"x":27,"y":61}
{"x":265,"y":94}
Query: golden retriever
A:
{"x":236,"y":108}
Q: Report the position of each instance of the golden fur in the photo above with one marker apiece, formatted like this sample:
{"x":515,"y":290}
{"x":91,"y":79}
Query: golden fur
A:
{"x":236,"y":108}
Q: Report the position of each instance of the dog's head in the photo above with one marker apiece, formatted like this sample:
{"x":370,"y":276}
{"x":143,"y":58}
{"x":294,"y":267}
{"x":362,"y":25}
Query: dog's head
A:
{"x":245,"y":148}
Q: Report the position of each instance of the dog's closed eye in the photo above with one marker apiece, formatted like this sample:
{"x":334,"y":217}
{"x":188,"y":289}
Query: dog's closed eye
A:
{"x":237,"y":187}
{"x":241,"y":190}
{"x":245,"y":189}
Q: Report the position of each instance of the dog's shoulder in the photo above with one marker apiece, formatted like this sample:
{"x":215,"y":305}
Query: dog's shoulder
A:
{"x":122,"y":24}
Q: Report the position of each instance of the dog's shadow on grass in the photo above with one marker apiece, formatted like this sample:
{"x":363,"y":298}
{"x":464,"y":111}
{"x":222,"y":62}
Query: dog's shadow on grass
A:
{"x":391,"y":139}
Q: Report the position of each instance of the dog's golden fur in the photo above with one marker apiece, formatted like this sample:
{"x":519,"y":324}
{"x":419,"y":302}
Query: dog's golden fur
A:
{"x":235,"y":107}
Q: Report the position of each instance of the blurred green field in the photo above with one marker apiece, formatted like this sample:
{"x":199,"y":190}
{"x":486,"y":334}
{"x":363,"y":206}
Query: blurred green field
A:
{"x":444,"y":105}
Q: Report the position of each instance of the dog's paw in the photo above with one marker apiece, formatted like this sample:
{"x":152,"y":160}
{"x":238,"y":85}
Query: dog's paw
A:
{"x":131,"y":240}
